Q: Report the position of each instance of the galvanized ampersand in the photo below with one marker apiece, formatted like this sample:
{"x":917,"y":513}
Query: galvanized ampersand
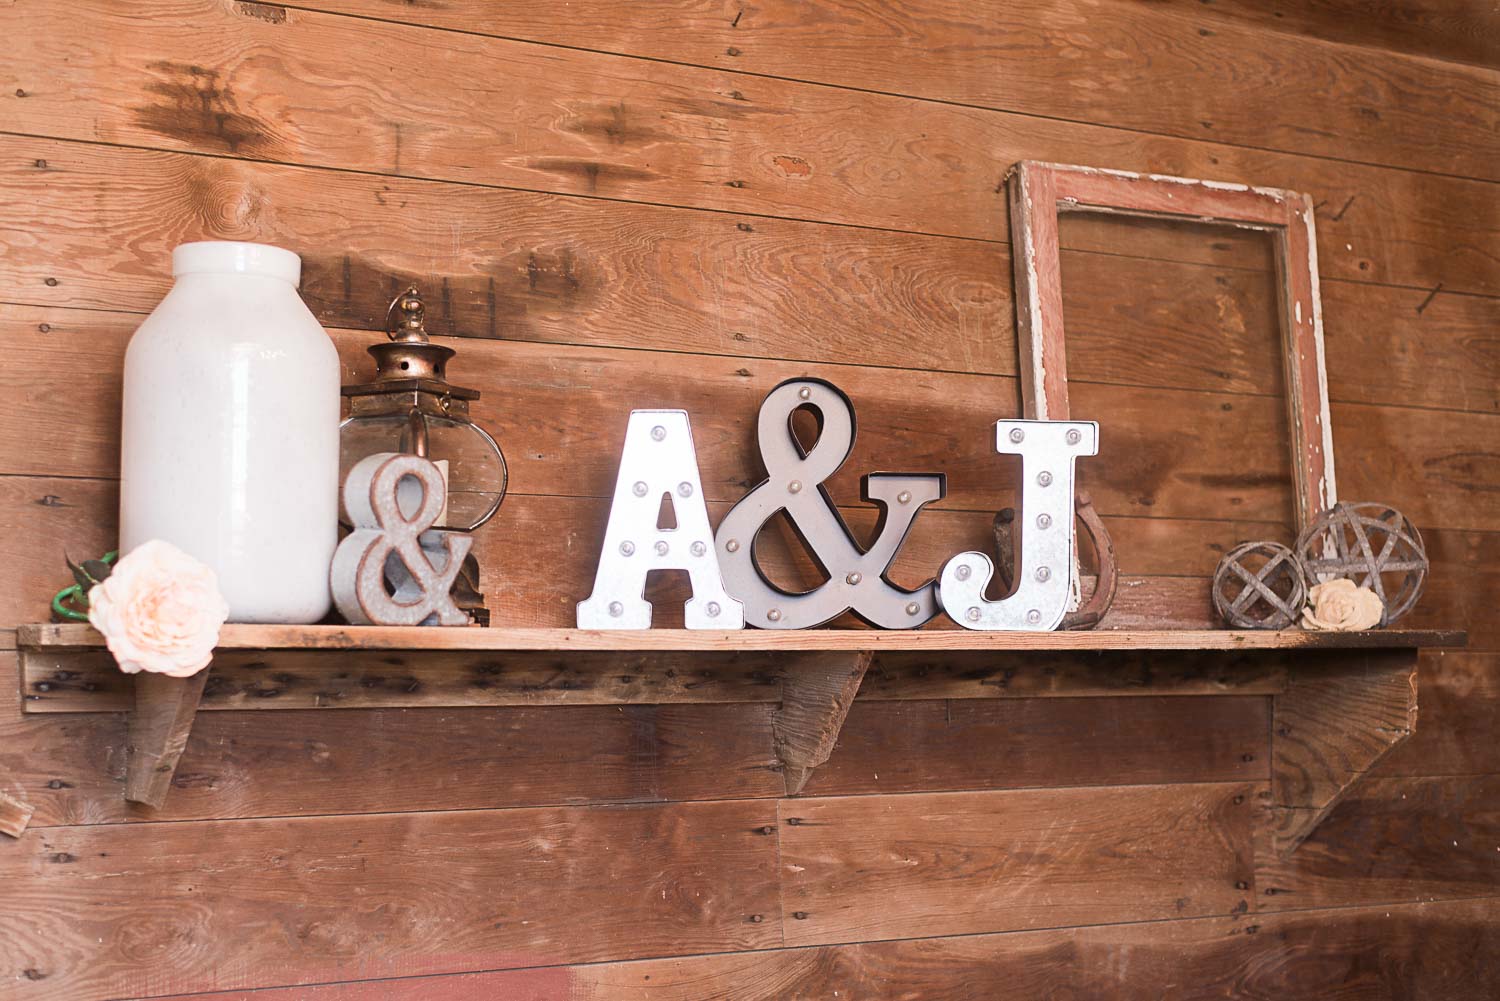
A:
{"x":856,"y":577}
{"x":392,"y":499}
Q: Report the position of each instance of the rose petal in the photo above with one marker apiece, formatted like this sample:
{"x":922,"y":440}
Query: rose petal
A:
{"x":160,"y":610}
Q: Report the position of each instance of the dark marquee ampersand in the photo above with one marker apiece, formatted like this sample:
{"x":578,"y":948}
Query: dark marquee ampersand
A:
{"x":856,"y":577}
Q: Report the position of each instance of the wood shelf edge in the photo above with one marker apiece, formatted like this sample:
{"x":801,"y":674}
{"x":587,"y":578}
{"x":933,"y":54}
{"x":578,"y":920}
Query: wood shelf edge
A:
{"x":1340,"y":702}
{"x":278,"y":637}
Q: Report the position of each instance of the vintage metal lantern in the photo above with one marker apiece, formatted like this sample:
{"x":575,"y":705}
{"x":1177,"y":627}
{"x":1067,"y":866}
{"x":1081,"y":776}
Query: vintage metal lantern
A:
{"x":411,"y":407}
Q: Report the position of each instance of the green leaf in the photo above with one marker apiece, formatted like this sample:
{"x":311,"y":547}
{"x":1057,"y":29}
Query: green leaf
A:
{"x":97,"y":569}
{"x":79,"y":574}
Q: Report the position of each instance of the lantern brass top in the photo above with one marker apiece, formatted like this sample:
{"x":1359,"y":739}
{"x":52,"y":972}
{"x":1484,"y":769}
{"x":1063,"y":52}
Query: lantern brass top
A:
{"x":408,"y":326}
{"x":409,"y":362}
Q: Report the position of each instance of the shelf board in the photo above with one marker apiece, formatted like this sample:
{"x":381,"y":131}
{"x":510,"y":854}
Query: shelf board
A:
{"x":279,"y":637}
{"x":1340,"y":701}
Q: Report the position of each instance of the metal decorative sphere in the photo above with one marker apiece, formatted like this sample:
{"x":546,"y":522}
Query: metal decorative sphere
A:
{"x":1259,"y":585}
{"x":1373,"y":545}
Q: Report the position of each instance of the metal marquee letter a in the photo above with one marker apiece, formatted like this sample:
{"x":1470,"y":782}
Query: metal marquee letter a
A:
{"x":658,"y":459}
{"x":1044,"y":559}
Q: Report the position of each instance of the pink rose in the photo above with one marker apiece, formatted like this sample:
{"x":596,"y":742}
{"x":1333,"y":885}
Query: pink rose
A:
{"x":159,"y":610}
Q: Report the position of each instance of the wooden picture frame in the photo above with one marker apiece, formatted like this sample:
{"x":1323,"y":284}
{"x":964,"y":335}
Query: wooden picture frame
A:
{"x":1039,"y":191}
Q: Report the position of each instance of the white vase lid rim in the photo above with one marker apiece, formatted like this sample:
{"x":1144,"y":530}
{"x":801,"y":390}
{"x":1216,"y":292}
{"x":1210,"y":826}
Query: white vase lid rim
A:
{"x":234,"y":257}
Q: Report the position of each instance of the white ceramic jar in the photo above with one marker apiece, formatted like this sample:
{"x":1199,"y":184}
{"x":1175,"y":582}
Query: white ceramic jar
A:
{"x":230,"y":438}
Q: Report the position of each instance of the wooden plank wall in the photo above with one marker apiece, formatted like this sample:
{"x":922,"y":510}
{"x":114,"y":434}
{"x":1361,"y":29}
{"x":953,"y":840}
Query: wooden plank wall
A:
{"x":624,"y":203}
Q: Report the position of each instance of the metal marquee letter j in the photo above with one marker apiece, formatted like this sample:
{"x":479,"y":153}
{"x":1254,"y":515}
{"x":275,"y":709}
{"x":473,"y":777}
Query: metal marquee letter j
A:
{"x":1044,"y":558}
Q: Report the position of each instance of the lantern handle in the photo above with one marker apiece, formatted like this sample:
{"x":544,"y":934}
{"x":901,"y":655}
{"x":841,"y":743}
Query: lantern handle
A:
{"x":409,"y":326}
{"x":414,"y":437}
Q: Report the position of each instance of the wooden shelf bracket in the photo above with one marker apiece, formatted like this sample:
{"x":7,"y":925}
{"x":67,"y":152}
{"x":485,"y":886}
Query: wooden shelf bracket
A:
{"x":1339,"y":715}
{"x":1340,"y":701}
{"x":160,"y":721}
{"x":816,"y":693}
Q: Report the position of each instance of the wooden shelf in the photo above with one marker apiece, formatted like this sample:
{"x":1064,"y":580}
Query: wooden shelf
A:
{"x":1340,"y":701}
{"x":274,"y":637}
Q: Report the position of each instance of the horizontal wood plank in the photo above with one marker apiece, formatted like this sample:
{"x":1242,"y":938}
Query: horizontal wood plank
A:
{"x":242,"y":765}
{"x":868,"y":868}
{"x":1393,"y":839}
{"x":567,"y":270}
{"x":617,"y":230}
{"x":1164,"y":452}
{"x":1168,"y":325}
{"x":208,"y":80}
{"x":569,"y":406}
{"x":910,"y":747}
{"x":111,"y":911}
{"x":239,"y":765}
{"x":1459,"y":699}
{"x":1066,"y":59}
{"x":62,"y":680}
{"x":1431,"y":950}
{"x":45,"y":517}
{"x":1465,"y":31}
{"x":899,"y":675}
{"x":342,"y":638}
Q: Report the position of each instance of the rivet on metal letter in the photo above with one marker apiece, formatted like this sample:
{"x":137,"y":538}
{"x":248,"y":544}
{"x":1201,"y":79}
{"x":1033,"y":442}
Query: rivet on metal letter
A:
{"x":856,"y":576}
{"x":1040,"y":599}
{"x":658,"y":459}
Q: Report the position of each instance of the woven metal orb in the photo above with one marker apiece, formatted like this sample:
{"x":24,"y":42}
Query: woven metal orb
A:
{"x":1259,"y":585}
{"x":1373,"y":545}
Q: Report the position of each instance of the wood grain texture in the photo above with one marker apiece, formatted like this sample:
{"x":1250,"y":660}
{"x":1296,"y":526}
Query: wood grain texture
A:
{"x":896,"y":266}
{"x":1163,"y":454}
{"x":45,"y":516}
{"x":868,"y":868}
{"x":240,"y":765}
{"x":1071,"y":60}
{"x":237,"y":765}
{"x":1459,"y":696}
{"x":87,"y":681}
{"x":105,"y":912}
{"x":15,"y":812}
{"x":602,"y":126}
{"x":1038,"y":191}
{"x":932,"y":423}
{"x":899,"y":675}
{"x":1434,"y":951}
{"x":161,"y":716}
{"x":1338,"y":717}
{"x":814,"y":705}
{"x":1036,"y":260}
{"x":907,"y":747}
{"x":577,"y":271}
{"x":1396,"y":839}
{"x":1465,"y":31}
{"x":387,"y":678}
{"x":50,"y":637}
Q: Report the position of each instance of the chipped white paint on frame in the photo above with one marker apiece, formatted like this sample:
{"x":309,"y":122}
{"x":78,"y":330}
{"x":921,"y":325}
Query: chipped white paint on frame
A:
{"x":1282,"y":210}
{"x":1327,"y":488}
